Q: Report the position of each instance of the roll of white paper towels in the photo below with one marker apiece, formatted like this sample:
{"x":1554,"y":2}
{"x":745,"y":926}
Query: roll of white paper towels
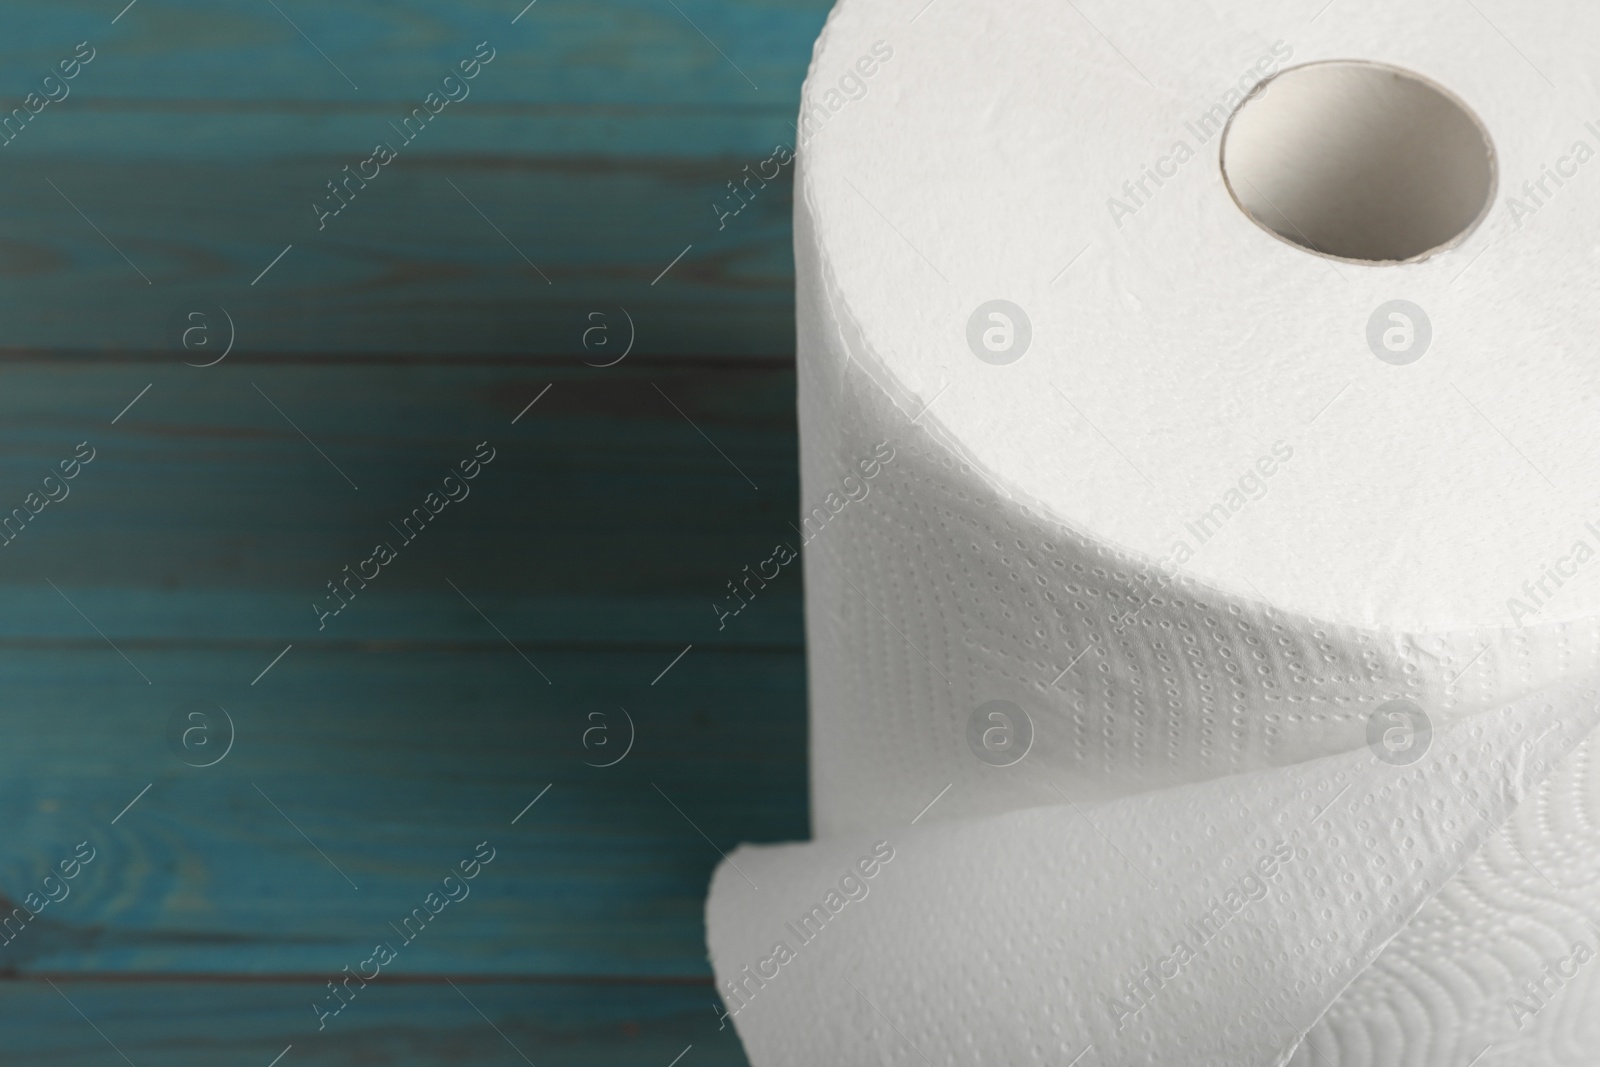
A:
{"x":1202,"y":552}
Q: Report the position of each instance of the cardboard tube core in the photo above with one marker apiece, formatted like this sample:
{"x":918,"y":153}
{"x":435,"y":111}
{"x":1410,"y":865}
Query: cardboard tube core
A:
{"x":1360,"y":162}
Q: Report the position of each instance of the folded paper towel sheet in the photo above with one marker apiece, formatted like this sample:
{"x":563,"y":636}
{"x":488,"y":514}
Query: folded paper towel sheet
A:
{"x":1174,"y":688}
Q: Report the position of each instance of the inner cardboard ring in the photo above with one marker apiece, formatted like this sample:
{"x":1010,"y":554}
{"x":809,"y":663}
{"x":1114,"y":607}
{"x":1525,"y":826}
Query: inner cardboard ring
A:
{"x":1359,"y":161}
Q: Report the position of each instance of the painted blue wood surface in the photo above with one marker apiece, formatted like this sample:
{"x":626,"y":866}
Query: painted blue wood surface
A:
{"x":603,"y":489}
{"x":201,"y":1024}
{"x":380,"y":749}
{"x":592,"y":147}
{"x":395,"y":764}
{"x":190,"y":550}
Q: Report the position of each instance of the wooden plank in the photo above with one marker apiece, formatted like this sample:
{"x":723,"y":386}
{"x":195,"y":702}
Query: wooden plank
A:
{"x":627,"y":50}
{"x":185,"y":559}
{"x":358,"y":779}
{"x":565,"y":132}
{"x":605,"y":490}
{"x":598,"y":146}
{"x":514,"y":259}
{"x":261,"y":623}
{"x":201,"y":1024}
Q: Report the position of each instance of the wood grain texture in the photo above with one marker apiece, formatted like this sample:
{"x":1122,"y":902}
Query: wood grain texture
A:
{"x":426,"y":714}
{"x":411,"y":266}
{"x":611,"y":485}
{"x":358,"y":780}
{"x":627,"y":51}
{"x":484,"y":1024}
{"x":378,"y":750}
{"x":590,"y":152}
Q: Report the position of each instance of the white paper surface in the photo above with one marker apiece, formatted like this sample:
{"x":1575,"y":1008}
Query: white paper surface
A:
{"x":1173,"y":720}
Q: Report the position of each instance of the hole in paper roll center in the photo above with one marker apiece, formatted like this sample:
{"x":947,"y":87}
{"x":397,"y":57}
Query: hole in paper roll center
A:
{"x":1359,"y":161}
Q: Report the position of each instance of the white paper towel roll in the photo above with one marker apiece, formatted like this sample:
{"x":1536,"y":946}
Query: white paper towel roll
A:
{"x":1188,"y":610}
